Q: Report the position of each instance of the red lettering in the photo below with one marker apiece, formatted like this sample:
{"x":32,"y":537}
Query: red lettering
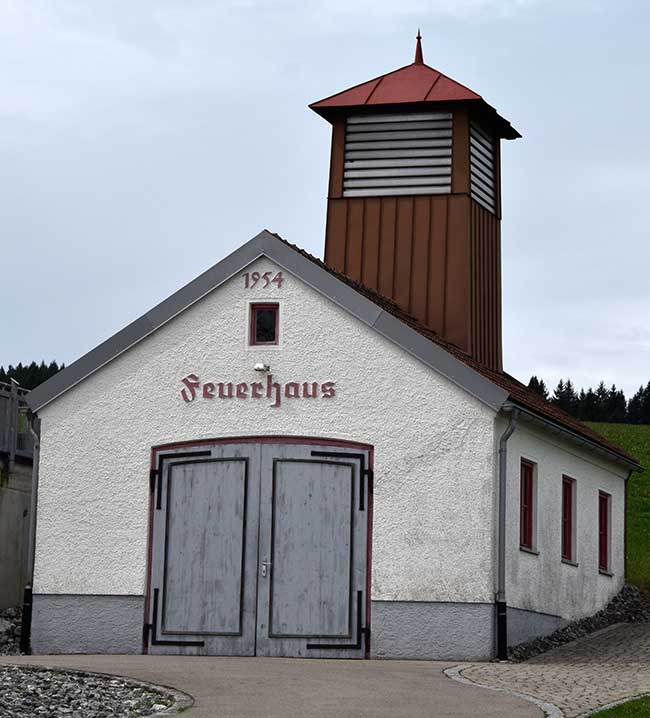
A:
{"x":273,"y":388}
{"x":242,"y":390}
{"x":222,"y":394}
{"x":191,"y":382}
{"x":257,"y":390}
{"x":314,"y":390}
{"x":327,"y":389}
{"x":292,"y":390}
{"x":208,"y":390}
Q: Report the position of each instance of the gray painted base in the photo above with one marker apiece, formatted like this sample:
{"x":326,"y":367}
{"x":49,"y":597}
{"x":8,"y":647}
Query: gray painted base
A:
{"x":400,"y":629}
{"x":525,"y":625}
{"x":87,"y":624}
{"x":439,"y":631}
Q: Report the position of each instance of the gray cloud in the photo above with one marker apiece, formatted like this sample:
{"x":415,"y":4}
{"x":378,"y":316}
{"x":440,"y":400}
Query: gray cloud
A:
{"x":141,"y":142}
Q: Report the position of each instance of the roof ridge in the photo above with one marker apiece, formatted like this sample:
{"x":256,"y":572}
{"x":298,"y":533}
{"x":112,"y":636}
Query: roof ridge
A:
{"x":433,"y":84}
{"x":465,"y":87}
{"x":518,"y":392}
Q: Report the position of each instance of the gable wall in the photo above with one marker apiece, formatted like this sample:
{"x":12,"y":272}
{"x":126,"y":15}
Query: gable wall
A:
{"x":434,"y":483}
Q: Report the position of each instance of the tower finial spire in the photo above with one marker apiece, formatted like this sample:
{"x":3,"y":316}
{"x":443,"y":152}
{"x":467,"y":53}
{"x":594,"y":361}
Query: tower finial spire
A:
{"x":419,"y":60}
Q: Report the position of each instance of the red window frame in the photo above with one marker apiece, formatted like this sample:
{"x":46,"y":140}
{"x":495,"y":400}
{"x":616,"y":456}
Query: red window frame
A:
{"x":253,"y":321}
{"x":568,"y":497}
{"x":526,"y":504}
{"x":603,"y":530}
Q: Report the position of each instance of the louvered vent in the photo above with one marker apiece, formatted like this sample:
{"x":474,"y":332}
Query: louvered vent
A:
{"x":481,"y":162}
{"x":397,"y":154}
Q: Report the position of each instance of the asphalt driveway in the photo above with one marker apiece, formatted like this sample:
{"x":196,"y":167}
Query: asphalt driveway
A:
{"x":302,"y":688}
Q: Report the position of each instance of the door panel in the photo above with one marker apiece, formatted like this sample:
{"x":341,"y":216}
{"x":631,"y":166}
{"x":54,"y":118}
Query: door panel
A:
{"x":312,"y":516}
{"x":206,"y":526}
{"x":312,"y":547}
{"x":204,"y":558}
{"x":259,"y":548}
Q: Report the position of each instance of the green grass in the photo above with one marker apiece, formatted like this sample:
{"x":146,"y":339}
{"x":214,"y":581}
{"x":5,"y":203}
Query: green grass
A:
{"x":639,"y":708}
{"x":635,"y":440}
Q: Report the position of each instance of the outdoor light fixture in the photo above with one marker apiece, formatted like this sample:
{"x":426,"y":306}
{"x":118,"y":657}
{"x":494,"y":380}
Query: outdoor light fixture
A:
{"x":261,"y":366}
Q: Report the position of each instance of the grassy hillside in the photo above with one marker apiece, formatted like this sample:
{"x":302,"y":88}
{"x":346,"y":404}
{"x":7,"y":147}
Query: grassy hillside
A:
{"x":636,"y":440}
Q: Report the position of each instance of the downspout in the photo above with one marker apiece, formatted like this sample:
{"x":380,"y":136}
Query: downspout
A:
{"x":501,"y":606}
{"x":26,"y":628}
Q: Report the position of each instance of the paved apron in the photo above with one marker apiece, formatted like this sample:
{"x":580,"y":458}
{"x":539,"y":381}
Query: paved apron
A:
{"x":302,"y":688}
{"x":579,"y":677}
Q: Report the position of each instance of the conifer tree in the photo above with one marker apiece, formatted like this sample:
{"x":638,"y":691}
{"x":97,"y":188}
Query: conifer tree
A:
{"x":31,"y":375}
{"x":616,"y":408}
{"x":538,"y":386}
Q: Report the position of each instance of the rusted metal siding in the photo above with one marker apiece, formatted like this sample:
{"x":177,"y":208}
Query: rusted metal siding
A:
{"x":485,"y":319}
{"x":413,"y":249}
{"x":437,"y":256}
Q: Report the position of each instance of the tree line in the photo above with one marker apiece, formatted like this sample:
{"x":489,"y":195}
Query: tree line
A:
{"x":29,"y":376}
{"x":600,"y":404}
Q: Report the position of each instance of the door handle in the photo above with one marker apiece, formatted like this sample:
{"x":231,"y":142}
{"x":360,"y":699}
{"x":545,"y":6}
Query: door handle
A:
{"x":264,"y":565}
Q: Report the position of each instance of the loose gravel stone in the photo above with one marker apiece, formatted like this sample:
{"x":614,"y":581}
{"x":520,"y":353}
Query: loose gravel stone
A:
{"x":28,"y":692}
{"x":629,"y":606}
{"x":10,"y":623}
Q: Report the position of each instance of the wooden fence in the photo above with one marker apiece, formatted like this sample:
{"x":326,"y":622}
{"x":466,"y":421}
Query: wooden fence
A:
{"x":15,"y":437}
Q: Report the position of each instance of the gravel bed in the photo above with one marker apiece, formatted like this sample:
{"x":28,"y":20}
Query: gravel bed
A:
{"x":29,"y":692}
{"x":629,"y":606}
{"x":10,"y":631}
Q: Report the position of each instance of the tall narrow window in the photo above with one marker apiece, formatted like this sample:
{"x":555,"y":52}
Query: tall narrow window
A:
{"x":265,"y":324}
{"x":603,"y":530}
{"x":568,"y":498}
{"x":527,"y":507}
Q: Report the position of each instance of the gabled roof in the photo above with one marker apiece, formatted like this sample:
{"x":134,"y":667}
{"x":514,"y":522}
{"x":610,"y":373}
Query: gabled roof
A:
{"x":414,"y":83}
{"x":495,"y":389}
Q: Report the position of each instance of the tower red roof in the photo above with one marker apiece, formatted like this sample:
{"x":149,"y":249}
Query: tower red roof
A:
{"x":414,"y":83}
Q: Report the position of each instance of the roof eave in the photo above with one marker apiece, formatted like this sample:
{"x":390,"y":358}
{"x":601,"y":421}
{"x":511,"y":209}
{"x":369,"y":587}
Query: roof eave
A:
{"x":331,"y":113}
{"x":309,"y":272}
{"x":629,"y":462}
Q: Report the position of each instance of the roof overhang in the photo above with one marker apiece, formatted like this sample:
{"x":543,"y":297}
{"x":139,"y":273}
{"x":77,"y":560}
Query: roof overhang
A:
{"x":278,"y":251}
{"x":526,"y":414}
{"x":488,"y":114}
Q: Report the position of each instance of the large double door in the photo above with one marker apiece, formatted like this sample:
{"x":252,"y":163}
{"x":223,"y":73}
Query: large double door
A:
{"x":260,"y":548}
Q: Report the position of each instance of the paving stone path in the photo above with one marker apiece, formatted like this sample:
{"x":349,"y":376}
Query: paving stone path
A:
{"x":580,"y":677}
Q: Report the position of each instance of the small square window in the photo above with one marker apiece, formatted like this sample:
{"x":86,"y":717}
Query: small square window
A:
{"x":264,"y":325}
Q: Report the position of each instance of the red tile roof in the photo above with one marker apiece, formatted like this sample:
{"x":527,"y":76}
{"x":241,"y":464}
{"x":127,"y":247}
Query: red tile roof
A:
{"x":518,"y":392}
{"x":413,"y":83}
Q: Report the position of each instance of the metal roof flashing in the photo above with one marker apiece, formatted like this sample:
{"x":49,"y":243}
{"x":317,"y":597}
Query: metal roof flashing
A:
{"x":550,"y":426}
{"x":308,"y":271}
{"x":377,"y":312}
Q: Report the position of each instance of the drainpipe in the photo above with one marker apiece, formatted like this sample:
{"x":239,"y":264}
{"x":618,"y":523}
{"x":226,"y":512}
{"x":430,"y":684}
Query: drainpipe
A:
{"x":502,"y":618}
{"x":26,"y":627}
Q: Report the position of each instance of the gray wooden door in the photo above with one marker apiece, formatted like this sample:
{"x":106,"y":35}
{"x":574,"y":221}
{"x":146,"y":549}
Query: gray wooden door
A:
{"x":311,"y":598}
{"x":204,"y":557}
{"x":260,"y":548}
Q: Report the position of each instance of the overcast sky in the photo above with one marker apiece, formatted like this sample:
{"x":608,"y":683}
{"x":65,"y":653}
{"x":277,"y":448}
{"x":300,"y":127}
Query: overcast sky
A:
{"x":142,"y":141}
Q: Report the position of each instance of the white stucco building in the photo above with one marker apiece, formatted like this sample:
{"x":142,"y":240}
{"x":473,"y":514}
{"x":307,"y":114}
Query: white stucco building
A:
{"x":292,"y":458}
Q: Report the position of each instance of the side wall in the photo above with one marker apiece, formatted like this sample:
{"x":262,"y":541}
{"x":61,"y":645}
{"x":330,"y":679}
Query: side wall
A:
{"x":434,"y":481}
{"x":540,"y":582}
